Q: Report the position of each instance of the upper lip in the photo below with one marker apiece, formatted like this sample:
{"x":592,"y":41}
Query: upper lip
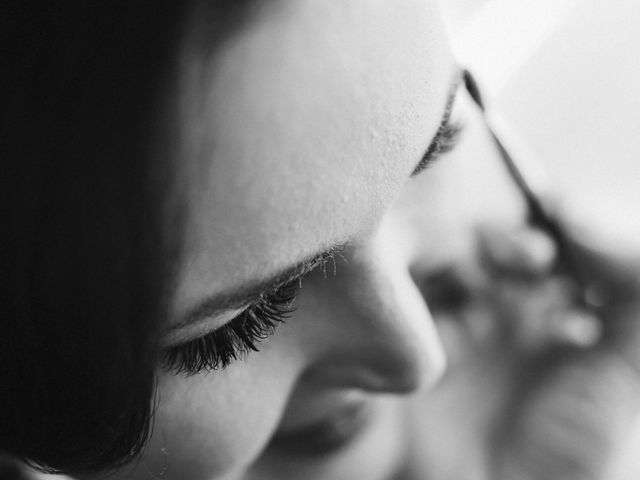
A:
{"x":329,"y":433}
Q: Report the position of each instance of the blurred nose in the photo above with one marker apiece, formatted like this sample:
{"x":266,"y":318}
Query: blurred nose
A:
{"x":375,"y":331}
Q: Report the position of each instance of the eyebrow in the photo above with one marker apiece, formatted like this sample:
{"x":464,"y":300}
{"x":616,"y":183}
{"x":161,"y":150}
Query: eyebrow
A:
{"x":252,"y":291}
{"x":444,"y":129}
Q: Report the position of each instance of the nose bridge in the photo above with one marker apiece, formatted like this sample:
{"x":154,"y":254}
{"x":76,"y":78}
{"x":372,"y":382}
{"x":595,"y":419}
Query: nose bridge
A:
{"x":380,"y":334}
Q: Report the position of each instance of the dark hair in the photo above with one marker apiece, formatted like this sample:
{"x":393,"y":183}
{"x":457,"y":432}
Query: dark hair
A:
{"x":89,"y":240}
{"x":84,"y":253}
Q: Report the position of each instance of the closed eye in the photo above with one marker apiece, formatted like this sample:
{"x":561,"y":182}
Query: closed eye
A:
{"x":448,"y":134}
{"x":219,"y":348}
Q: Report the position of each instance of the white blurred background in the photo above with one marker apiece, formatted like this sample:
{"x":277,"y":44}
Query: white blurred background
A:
{"x":566,"y":74}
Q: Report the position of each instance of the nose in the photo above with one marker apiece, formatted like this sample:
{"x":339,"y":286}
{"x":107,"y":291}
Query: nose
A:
{"x":372,"y":329}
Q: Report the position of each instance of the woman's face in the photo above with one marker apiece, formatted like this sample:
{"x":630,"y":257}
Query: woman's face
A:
{"x":300,"y":136}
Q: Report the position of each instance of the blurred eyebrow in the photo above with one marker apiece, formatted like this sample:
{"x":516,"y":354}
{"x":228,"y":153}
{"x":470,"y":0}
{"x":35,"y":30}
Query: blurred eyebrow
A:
{"x":443,"y":129}
{"x":252,"y":290}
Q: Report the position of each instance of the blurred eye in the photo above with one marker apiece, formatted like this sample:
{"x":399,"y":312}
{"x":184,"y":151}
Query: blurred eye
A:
{"x":444,"y":291}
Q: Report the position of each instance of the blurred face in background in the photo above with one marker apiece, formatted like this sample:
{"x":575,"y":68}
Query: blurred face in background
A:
{"x":301,"y":143}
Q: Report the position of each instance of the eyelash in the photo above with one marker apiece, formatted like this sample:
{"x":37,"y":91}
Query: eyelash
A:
{"x":237,"y":338}
{"x":447,"y":139}
{"x":449,"y":136}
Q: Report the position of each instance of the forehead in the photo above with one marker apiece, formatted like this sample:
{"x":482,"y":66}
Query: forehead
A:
{"x":301,"y":130}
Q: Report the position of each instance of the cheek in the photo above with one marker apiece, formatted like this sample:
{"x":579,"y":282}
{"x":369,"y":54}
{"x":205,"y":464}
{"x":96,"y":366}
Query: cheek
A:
{"x":209,"y":424}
